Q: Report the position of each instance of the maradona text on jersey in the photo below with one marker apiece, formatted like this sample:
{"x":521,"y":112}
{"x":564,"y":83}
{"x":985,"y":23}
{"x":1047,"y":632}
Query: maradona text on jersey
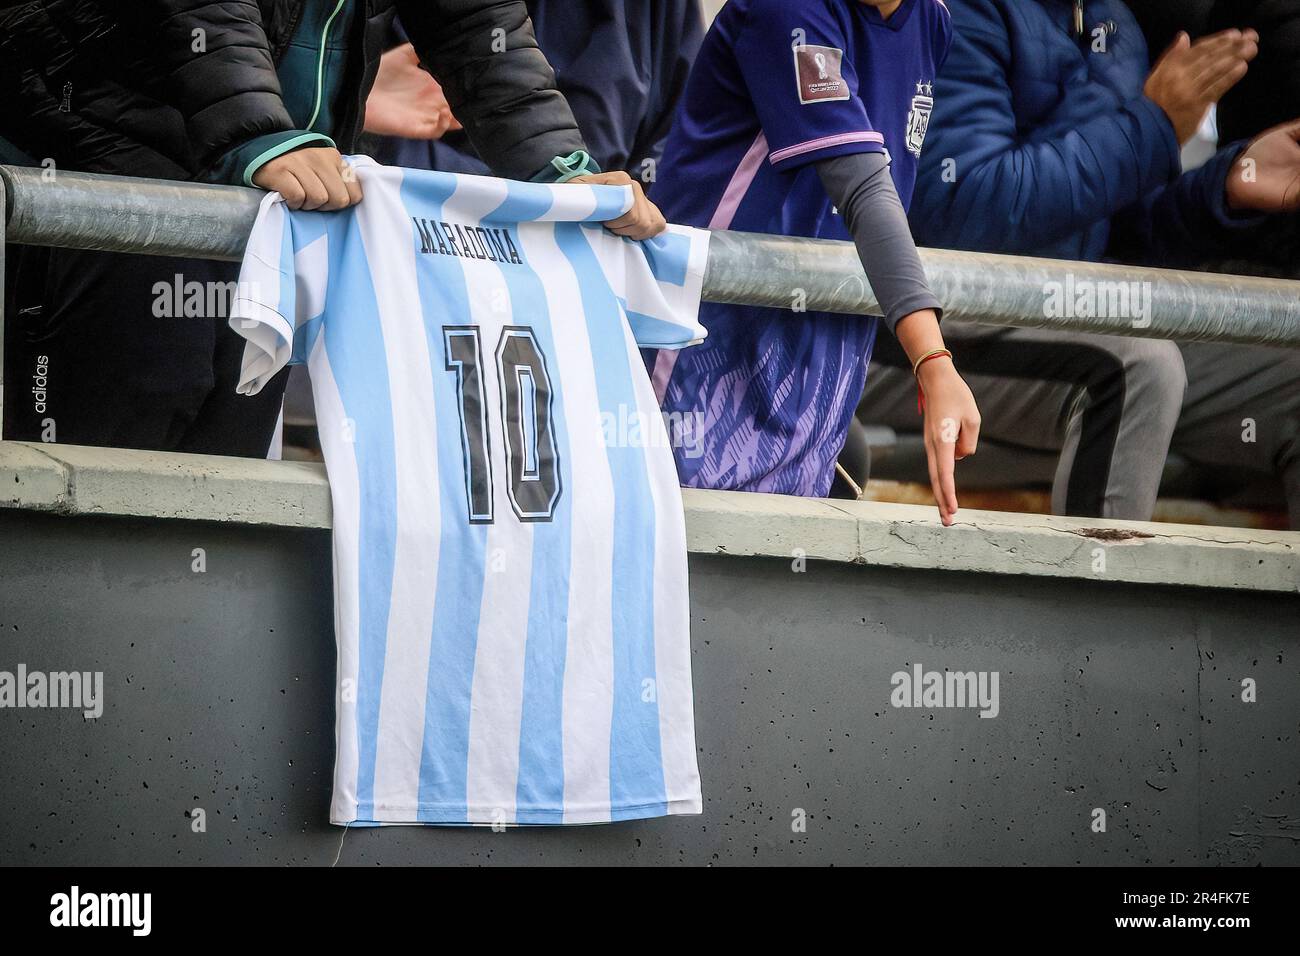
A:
{"x":466,"y":242}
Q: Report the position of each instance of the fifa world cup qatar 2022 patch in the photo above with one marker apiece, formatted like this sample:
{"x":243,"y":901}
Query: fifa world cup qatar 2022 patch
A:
{"x":817,"y":70}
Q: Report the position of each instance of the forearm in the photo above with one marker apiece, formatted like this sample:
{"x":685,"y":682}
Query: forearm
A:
{"x":919,"y":334}
{"x":1017,"y":198}
{"x":1183,"y":224}
{"x":862,"y":189}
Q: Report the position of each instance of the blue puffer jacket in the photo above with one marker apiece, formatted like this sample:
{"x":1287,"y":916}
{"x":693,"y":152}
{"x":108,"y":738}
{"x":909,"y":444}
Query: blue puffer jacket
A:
{"x":1041,"y":145}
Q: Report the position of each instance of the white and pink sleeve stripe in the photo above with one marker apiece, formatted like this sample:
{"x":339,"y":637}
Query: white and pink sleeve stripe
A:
{"x":825,"y":142}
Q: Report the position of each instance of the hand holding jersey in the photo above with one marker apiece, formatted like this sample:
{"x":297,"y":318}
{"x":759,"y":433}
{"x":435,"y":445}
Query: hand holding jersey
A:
{"x":314,"y":177}
{"x":643,"y":220}
{"x":318,"y":177}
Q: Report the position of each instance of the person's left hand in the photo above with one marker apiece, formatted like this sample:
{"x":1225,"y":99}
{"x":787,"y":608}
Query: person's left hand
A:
{"x":1266,"y":177}
{"x":643,"y":220}
{"x":406,"y":101}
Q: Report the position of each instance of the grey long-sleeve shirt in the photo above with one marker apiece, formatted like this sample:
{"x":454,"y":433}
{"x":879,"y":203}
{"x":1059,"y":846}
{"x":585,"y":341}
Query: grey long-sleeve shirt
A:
{"x":863,"y":190}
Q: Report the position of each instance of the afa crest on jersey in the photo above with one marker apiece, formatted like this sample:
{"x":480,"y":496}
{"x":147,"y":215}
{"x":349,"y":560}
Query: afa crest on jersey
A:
{"x":918,"y":121}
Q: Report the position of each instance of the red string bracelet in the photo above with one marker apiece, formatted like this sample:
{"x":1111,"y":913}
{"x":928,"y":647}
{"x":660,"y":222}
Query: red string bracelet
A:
{"x":916,"y":367}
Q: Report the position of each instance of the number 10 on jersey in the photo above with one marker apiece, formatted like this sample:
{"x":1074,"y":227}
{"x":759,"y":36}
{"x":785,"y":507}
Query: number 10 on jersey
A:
{"x":523,"y":422}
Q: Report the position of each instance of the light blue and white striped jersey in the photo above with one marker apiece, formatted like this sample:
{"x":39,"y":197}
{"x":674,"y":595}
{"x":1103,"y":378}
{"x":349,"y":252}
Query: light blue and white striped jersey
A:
{"x":509,"y":545}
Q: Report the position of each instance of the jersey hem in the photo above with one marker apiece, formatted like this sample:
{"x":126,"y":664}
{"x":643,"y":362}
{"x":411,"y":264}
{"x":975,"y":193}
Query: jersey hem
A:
{"x":443,"y":815}
{"x":674,"y":346}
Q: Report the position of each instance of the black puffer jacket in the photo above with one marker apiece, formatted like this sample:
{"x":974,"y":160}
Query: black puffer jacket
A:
{"x":115,"y":85}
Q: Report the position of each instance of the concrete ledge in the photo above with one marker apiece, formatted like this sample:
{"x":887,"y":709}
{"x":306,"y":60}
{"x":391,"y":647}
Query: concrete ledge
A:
{"x":76,"y":480}
{"x":72,"y":480}
{"x":992,"y":542}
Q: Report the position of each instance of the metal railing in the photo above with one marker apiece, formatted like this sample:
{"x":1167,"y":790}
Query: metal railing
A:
{"x":86,"y":211}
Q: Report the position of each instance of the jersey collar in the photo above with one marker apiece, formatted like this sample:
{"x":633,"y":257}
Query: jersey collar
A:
{"x":896,"y":22}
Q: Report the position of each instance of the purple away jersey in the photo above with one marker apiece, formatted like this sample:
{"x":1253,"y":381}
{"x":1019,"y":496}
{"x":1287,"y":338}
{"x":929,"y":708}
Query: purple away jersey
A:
{"x":780,"y":84}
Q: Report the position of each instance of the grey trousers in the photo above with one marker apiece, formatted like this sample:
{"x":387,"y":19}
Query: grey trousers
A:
{"x":1242,"y":411}
{"x":1114,"y":406}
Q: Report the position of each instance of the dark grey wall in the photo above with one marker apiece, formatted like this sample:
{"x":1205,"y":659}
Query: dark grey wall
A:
{"x":219,"y":695}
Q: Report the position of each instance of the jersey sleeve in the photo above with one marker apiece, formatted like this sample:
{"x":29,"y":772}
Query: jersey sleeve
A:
{"x":659,"y":281}
{"x":802,"y":82}
{"x":942,"y":35}
{"x":270,"y":306}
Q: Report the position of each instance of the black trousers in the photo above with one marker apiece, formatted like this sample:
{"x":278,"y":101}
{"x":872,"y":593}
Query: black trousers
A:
{"x":101,"y":350}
